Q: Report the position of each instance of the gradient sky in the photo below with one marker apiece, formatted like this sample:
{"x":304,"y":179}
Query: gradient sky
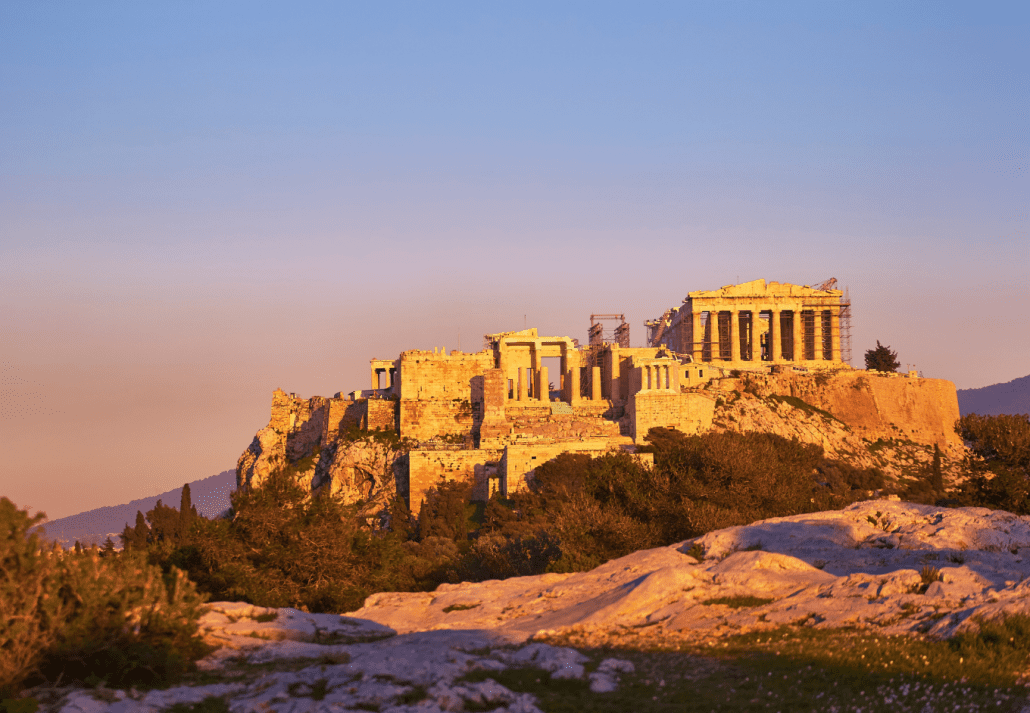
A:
{"x":201,"y":202}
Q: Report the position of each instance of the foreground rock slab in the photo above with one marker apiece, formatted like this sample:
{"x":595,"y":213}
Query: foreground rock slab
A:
{"x":887,"y":566}
{"x":890,"y":566}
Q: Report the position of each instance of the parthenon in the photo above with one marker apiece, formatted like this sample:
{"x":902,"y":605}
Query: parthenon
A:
{"x":755,"y":322}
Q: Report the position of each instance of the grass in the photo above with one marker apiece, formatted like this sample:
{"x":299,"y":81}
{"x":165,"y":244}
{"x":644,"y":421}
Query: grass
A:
{"x":738,"y":602}
{"x":800,"y":668}
{"x":459,"y":607}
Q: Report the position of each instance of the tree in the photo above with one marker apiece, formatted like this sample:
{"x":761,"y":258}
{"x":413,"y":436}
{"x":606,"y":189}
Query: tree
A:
{"x":881,"y":358}
{"x":187,"y":513}
{"x":936,"y":472}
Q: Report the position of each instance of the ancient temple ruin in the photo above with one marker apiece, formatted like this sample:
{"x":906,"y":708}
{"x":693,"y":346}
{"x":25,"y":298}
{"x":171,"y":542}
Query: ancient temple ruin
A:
{"x":755,"y":323}
{"x":494,"y":415}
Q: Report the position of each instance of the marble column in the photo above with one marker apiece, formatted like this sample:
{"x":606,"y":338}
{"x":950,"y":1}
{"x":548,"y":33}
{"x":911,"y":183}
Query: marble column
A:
{"x":775,"y":336}
{"x":799,"y":352}
{"x":817,"y":332}
{"x":697,"y":337}
{"x":595,"y":383}
{"x":543,"y":389}
{"x":835,"y":333}
{"x":734,"y":334}
{"x":756,"y":337}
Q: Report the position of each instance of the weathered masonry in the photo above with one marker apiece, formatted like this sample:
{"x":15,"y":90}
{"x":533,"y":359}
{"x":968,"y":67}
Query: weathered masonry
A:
{"x":755,"y":323}
{"x":493,"y":416}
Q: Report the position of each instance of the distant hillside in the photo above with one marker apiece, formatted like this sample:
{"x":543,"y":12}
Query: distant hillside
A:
{"x":210,"y":496}
{"x":1010,"y":397}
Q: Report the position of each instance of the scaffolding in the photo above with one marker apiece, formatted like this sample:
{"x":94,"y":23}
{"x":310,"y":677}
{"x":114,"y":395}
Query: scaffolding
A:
{"x":845,"y":319}
{"x":656,"y":328}
{"x":599,"y":335}
{"x":845,"y":328}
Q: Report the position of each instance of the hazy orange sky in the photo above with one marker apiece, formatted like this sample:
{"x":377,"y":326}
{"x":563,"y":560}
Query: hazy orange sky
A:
{"x":200,"y":204}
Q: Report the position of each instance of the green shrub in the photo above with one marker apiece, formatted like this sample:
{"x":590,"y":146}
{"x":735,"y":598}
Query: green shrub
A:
{"x":80,"y":616}
{"x":999,"y":469}
{"x":30,"y":614}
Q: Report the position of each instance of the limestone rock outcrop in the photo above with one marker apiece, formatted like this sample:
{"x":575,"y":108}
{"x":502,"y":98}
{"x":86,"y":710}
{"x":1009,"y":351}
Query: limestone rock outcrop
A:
{"x":884,"y":565}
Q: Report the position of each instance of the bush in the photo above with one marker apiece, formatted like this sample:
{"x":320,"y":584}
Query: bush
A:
{"x":82,"y":617}
{"x":1000,"y":464}
{"x":582,"y":511}
{"x":28,"y":611}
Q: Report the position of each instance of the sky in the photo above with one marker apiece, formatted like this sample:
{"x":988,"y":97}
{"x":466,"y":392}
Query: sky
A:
{"x":201,"y":202}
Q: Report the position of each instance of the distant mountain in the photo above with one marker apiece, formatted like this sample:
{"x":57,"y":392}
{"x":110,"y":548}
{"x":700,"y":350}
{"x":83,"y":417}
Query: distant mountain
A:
{"x":1010,"y":397}
{"x":210,"y":496}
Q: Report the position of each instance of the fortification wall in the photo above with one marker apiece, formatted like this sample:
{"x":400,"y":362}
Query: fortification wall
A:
{"x":519,"y":462}
{"x":427,"y":469}
{"x":539,"y":424}
{"x":881,"y":406}
{"x":441,"y":394}
{"x":343,"y":415}
{"x":295,"y":429}
{"x":381,"y":414}
{"x":690,"y":412}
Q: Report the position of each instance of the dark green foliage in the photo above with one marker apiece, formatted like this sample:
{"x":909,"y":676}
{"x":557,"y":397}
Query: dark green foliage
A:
{"x":447,"y":512}
{"x":881,"y":358}
{"x":80,"y":616}
{"x":1000,"y":466}
{"x":582,"y":511}
{"x":936,"y":471}
{"x":928,"y":488}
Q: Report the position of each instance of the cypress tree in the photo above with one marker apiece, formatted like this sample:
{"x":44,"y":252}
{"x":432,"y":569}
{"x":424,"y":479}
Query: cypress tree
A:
{"x":936,"y":473}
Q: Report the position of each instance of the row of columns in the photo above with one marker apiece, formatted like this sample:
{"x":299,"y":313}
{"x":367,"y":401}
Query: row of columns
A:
{"x":541,"y":381}
{"x":656,"y":376}
{"x":775,"y":335}
{"x":392,"y":372}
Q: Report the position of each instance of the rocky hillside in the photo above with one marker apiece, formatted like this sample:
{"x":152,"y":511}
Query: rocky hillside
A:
{"x":900,"y":458}
{"x":883,"y":566}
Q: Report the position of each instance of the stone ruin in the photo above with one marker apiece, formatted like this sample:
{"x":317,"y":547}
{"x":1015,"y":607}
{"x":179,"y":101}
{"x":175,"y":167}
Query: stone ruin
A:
{"x":492,"y":416}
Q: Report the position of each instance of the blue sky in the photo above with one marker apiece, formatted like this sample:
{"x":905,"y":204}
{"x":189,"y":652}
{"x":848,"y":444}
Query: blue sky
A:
{"x":200,"y":202}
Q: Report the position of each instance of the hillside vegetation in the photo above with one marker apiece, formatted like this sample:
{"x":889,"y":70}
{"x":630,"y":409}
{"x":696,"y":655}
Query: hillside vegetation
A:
{"x":130,"y":616}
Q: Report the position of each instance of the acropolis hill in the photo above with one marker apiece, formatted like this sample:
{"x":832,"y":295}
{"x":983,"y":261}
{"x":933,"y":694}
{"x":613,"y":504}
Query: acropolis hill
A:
{"x":751,"y":357}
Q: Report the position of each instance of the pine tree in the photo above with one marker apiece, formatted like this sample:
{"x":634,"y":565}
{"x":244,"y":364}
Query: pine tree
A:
{"x":108,"y":548}
{"x":881,"y":358}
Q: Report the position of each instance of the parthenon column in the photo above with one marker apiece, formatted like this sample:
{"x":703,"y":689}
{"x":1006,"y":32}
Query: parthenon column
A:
{"x":574,"y":392}
{"x":817,"y":351}
{"x":775,"y":336}
{"x":734,"y":334}
{"x":523,"y":394}
{"x":595,"y":383}
{"x":756,"y":336}
{"x":375,"y":378}
{"x":835,"y":333}
{"x":798,"y":351}
{"x":697,"y":337}
{"x":544,"y":389}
